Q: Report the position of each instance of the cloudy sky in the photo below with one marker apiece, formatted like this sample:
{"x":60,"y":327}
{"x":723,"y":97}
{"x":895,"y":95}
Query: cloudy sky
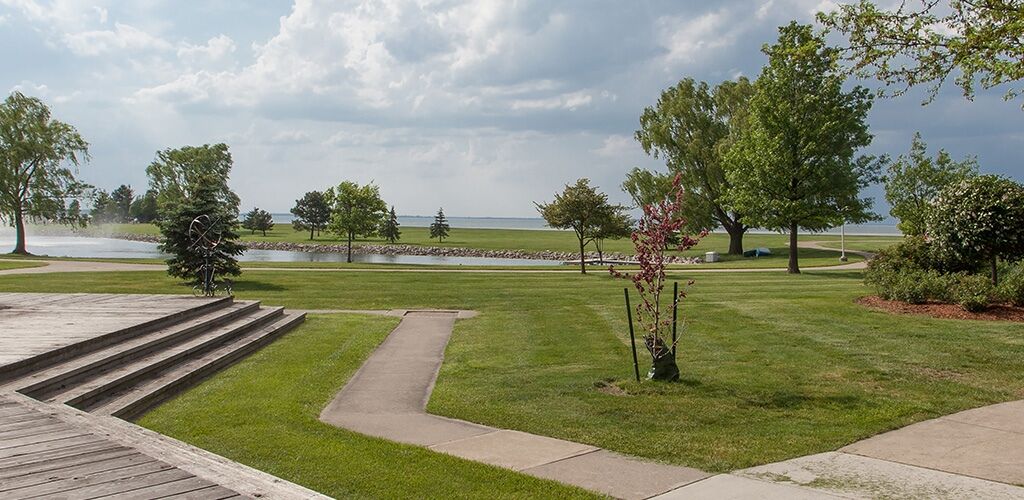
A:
{"x":481,"y":107}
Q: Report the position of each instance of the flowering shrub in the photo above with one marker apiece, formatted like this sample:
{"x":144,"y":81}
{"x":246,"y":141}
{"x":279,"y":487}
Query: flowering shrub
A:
{"x":657,"y":231}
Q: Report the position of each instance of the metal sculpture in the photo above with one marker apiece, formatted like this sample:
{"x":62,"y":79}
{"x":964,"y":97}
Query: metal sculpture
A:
{"x":204,"y":239}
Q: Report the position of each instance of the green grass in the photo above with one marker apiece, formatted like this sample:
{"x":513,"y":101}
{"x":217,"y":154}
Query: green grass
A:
{"x":774,"y":366}
{"x":263,"y":412}
{"x":14,"y":264}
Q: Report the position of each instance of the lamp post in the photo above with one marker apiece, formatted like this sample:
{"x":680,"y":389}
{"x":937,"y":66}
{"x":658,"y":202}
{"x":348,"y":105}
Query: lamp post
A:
{"x":842,"y":239}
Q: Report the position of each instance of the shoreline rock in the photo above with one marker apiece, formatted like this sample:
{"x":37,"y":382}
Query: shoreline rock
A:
{"x":427,"y":251}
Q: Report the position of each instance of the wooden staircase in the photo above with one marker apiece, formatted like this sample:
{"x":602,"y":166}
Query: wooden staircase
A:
{"x":128,"y":372}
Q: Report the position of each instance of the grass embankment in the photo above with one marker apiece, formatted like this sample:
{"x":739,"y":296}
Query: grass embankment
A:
{"x":532,"y":240}
{"x":775,"y":366}
{"x":263,"y":412}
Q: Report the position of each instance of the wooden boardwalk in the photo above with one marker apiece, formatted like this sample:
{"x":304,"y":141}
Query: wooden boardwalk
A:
{"x":42,"y":456}
{"x":71,"y":364}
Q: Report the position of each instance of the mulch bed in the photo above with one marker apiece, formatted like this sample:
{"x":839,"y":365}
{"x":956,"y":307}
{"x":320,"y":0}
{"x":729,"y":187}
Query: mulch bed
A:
{"x":1001,"y":312}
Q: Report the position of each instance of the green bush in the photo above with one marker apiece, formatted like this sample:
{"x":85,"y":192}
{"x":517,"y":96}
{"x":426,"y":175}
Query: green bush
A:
{"x":1011,"y":286}
{"x":972,"y":292}
{"x":915,"y":286}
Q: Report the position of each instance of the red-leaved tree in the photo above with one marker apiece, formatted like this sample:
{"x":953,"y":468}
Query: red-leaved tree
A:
{"x":658,"y":230}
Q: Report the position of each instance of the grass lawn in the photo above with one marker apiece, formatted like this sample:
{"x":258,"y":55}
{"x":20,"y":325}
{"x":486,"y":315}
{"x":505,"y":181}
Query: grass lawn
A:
{"x":774,"y":366}
{"x":14,"y":264}
{"x":263,"y":412}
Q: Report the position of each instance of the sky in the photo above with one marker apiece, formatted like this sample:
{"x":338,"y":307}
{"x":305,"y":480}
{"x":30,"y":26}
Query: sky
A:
{"x":481,"y":106}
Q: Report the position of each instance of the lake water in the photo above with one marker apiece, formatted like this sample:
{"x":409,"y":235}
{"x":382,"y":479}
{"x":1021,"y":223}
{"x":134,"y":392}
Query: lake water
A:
{"x":87,"y":247}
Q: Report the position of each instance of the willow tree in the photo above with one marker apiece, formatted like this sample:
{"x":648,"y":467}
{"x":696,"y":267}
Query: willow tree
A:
{"x":39,"y":157}
{"x":796,"y":166}
{"x":693,"y":127}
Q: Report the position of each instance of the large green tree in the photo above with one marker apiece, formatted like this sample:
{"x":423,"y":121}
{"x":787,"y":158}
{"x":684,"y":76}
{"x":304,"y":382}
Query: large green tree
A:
{"x":312,"y":212}
{"x":914,"y":179}
{"x":795,"y":167}
{"x":693,"y":127}
{"x":189,"y":182}
{"x":439,"y":228}
{"x":580,"y":207}
{"x":979,"y":219}
{"x":927,"y":42}
{"x":357,"y":211}
{"x":38,"y":160}
{"x":144,"y":208}
{"x":615,"y":223}
{"x":258,"y":219}
{"x":389,"y":229}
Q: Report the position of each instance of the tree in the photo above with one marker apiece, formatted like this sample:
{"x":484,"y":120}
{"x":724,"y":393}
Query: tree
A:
{"x":103,"y":208}
{"x":143,"y":209}
{"x":187,"y":258}
{"x":122,"y":202}
{"x":439,"y":228}
{"x":913,"y":180}
{"x":389,"y":229}
{"x":312,"y":212}
{"x":358,"y":211}
{"x":189,"y":182}
{"x":613,"y":224}
{"x":579,"y":207}
{"x":909,"y":47}
{"x":258,"y":219}
{"x":177,"y":172}
{"x":795,"y":166}
{"x":35,"y":183}
{"x":693,"y":127}
{"x":659,"y":223}
{"x":979,"y":219}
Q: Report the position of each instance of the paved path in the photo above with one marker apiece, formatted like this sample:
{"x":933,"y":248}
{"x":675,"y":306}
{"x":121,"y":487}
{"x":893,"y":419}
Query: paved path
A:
{"x":387,"y":398}
{"x":974,"y":454}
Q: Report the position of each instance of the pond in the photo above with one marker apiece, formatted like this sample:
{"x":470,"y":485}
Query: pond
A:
{"x":108,"y":248}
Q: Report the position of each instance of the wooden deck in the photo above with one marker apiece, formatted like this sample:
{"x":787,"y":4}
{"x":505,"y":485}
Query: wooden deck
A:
{"x":32,"y":324}
{"x":42,"y":456}
{"x":71,"y":364}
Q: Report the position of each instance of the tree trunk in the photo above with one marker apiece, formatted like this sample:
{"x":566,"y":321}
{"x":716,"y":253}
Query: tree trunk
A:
{"x":19,"y":224}
{"x":794,"y":266}
{"x":583,"y":263}
{"x":349,"y":247}
{"x":735,"y":239}
{"x":995,"y":273}
{"x":310,"y":233}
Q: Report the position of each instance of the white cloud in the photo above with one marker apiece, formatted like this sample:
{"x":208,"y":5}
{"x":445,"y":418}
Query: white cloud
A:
{"x":3,"y":20}
{"x":617,"y":145}
{"x":122,"y":37}
{"x":101,"y":14}
{"x":213,"y":50}
{"x":570,"y":101}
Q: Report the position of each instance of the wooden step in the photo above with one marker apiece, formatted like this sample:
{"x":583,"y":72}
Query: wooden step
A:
{"x":133,"y":371}
{"x":16,"y":369}
{"x":41,"y":384}
{"x":134,"y":402}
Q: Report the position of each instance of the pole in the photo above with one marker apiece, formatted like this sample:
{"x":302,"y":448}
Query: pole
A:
{"x":842,"y":238}
{"x":675,"y":306}
{"x":632,"y":337}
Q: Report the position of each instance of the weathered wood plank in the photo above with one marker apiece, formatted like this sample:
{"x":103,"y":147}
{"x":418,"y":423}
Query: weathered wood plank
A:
{"x":53,"y":436}
{"x":49,"y":445}
{"x":87,"y":451}
{"x":52,"y":482}
{"x":129,"y":487}
{"x":187,"y":485}
{"x":56,"y":464}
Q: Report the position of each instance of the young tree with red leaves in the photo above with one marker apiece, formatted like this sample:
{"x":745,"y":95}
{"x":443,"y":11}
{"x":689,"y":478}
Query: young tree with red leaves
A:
{"x":660,"y":225}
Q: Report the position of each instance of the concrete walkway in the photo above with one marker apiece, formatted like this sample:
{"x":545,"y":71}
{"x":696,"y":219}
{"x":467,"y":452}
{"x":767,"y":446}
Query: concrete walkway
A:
{"x":974,"y":454}
{"x":387,"y":398}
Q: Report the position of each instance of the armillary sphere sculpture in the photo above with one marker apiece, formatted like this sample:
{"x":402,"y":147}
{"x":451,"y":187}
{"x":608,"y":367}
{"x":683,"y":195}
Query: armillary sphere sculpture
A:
{"x":203,"y":239}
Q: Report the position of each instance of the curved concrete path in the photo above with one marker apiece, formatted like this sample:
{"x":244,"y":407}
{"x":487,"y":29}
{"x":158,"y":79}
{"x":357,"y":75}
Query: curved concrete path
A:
{"x":387,"y":398}
{"x":973,"y":454}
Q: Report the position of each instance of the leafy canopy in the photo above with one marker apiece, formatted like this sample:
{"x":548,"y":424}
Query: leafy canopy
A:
{"x":38,"y":160}
{"x":312,"y":212}
{"x":258,"y":219}
{"x":358,"y":210}
{"x":914,"y":179}
{"x":692,"y":127}
{"x":583,"y":209}
{"x":177,"y":173}
{"x":927,"y":41}
{"x":795,"y":168}
{"x":389,"y":228}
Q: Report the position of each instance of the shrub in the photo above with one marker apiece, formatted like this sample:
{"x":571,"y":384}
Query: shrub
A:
{"x":1011,"y":286}
{"x":972,"y":292}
